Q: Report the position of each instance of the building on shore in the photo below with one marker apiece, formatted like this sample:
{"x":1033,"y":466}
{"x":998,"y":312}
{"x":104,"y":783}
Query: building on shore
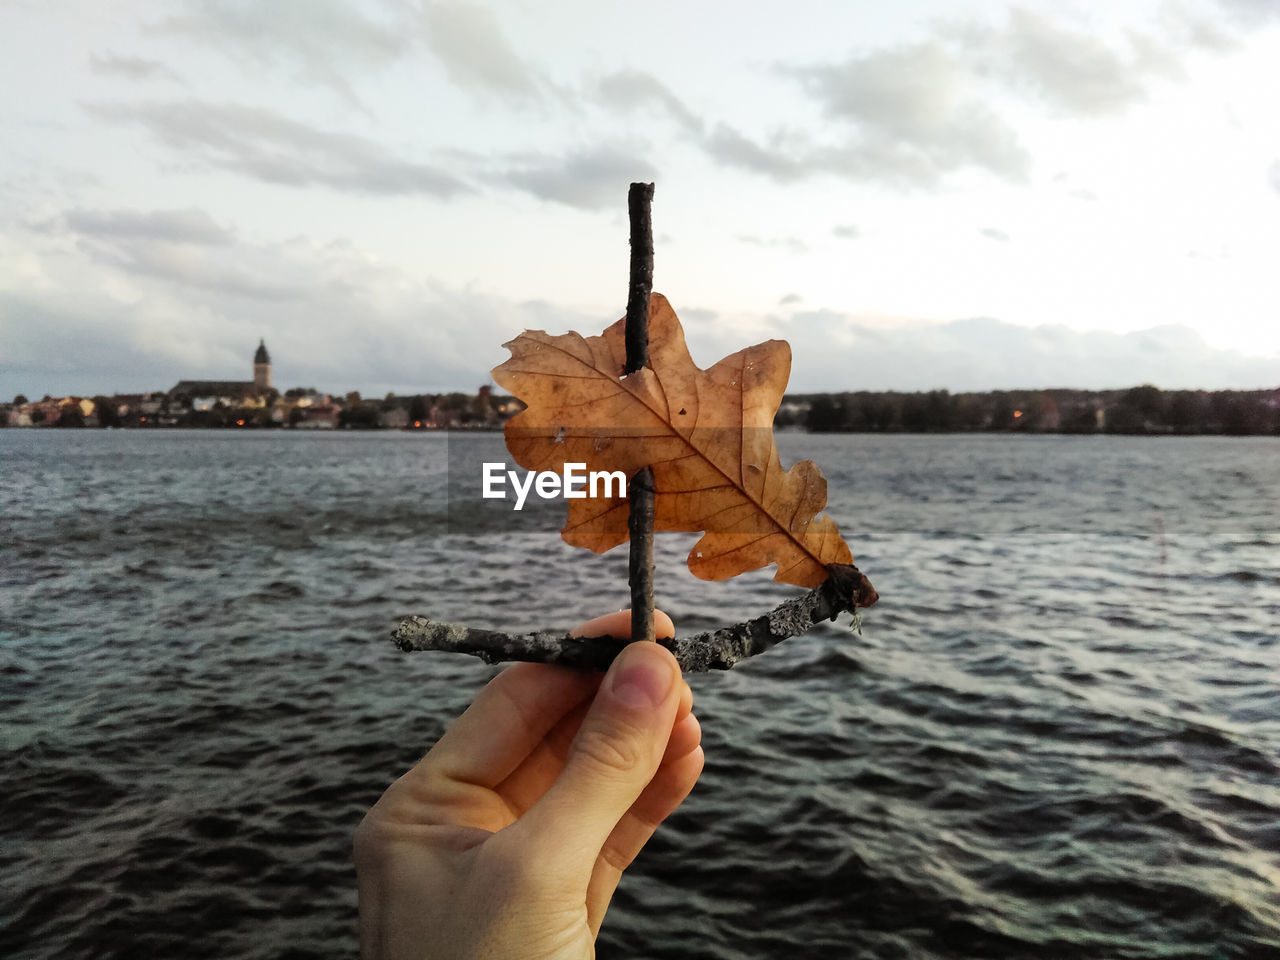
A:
{"x":262,"y":368}
{"x":205,"y":394}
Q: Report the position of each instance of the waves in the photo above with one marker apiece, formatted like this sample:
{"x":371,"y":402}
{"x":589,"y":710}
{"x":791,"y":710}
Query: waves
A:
{"x":1053,"y":739}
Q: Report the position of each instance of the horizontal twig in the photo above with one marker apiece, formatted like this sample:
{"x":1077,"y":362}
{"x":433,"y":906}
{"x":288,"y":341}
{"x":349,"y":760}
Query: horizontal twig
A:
{"x":844,"y":589}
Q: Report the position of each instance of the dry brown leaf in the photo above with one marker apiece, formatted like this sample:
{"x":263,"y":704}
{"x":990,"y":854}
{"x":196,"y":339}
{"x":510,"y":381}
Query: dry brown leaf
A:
{"x":707,"y":434}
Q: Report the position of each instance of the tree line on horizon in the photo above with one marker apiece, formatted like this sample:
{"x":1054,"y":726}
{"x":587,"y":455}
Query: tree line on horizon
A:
{"x":272,"y":410}
{"x":1144,"y":409}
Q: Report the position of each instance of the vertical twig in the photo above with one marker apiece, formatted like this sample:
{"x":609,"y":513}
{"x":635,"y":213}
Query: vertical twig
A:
{"x":639,"y":200}
{"x":640,"y":522}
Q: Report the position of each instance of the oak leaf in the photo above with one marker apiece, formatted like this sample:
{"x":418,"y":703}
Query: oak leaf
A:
{"x":707,"y":434}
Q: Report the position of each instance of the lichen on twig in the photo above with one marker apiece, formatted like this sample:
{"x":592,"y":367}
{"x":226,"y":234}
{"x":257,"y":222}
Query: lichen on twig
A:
{"x":846,"y":588}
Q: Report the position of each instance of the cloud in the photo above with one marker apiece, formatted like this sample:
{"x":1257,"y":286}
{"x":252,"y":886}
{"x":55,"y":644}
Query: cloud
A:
{"x":908,"y":115}
{"x":1251,"y":12}
{"x":789,"y":299}
{"x":915,"y":114}
{"x":912,"y":114}
{"x":870,"y":156}
{"x":833,"y":351}
{"x":470,"y":45}
{"x":131,"y":300}
{"x":117,"y":310}
{"x":1207,"y":35}
{"x":586,"y":179}
{"x":846,"y":231}
{"x":991,"y":233}
{"x":729,"y":147}
{"x":130,"y":68}
{"x":792,"y":245}
{"x":699,"y":315}
{"x":55,"y":347}
{"x":1037,"y":58}
{"x":322,"y":40}
{"x":1273,"y":175}
{"x":172,"y":226}
{"x":630,"y":90}
{"x":183,"y":248}
{"x":268,"y":146}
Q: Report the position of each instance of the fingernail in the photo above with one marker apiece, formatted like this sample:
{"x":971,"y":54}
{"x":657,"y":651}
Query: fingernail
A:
{"x":640,"y":680}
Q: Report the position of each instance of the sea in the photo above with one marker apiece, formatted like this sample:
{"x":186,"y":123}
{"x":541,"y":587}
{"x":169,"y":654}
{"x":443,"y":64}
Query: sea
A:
{"x":1056,"y":736}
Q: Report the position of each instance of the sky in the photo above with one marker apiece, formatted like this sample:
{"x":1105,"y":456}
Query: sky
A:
{"x":918,"y":195}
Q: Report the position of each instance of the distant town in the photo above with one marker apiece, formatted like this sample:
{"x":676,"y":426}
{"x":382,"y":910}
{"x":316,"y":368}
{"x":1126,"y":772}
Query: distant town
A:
{"x":256,"y":404}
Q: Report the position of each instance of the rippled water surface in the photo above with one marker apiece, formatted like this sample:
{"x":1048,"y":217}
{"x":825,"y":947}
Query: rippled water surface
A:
{"x":1058,"y":736}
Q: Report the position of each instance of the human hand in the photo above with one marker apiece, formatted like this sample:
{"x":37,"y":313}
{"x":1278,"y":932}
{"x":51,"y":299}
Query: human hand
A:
{"x":508,"y":839}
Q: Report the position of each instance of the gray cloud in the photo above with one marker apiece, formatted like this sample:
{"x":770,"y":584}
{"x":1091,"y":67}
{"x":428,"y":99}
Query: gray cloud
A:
{"x":586,"y":179}
{"x":729,"y":147}
{"x":633,"y":89}
{"x":876,"y":157}
{"x":1035,"y":56}
{"x":1273,"y":174}
{"x":268,"y":146}
{"x":1251,"y":12}
{"x":55,"y":348}
{"x":130,"y":68}
{"x":229,"y":277}
{"x":908,"y":116}
{"x":991,"y":233}
{"x":184,"y":248}
{"x":321,"y":40}
{"x":789,"y":299}
{"x":907,"y":92}
{"x":338,"y":320}
{"x":915,"y":114}
{"x":846,"y":231}
{"x":172,"y":226}
{"x":699,"y":315}
{"x":332,"y":317}
{"x":837,"y":352}
{"x":470,"y":45}
{"x":1207,"y":35}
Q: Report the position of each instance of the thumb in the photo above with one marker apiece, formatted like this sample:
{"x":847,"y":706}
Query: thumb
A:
{"x":612,"y":759}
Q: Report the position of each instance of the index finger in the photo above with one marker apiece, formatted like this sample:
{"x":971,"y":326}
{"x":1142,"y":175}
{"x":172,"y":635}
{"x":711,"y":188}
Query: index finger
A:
{"x":518,"y":708}
{"x":619,"y":625}
{"x":505,"y":722}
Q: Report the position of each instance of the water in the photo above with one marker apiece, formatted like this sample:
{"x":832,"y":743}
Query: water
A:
{"x":1059,"y":735}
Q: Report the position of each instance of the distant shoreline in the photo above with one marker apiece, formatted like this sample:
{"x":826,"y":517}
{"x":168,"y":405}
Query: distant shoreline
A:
{"x":489,"y":431}
{"x":1138,"y":410}
{"x":1142,"y":410}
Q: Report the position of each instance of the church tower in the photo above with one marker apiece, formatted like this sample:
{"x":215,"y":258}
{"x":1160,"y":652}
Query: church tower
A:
{"x":262,"y":369}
